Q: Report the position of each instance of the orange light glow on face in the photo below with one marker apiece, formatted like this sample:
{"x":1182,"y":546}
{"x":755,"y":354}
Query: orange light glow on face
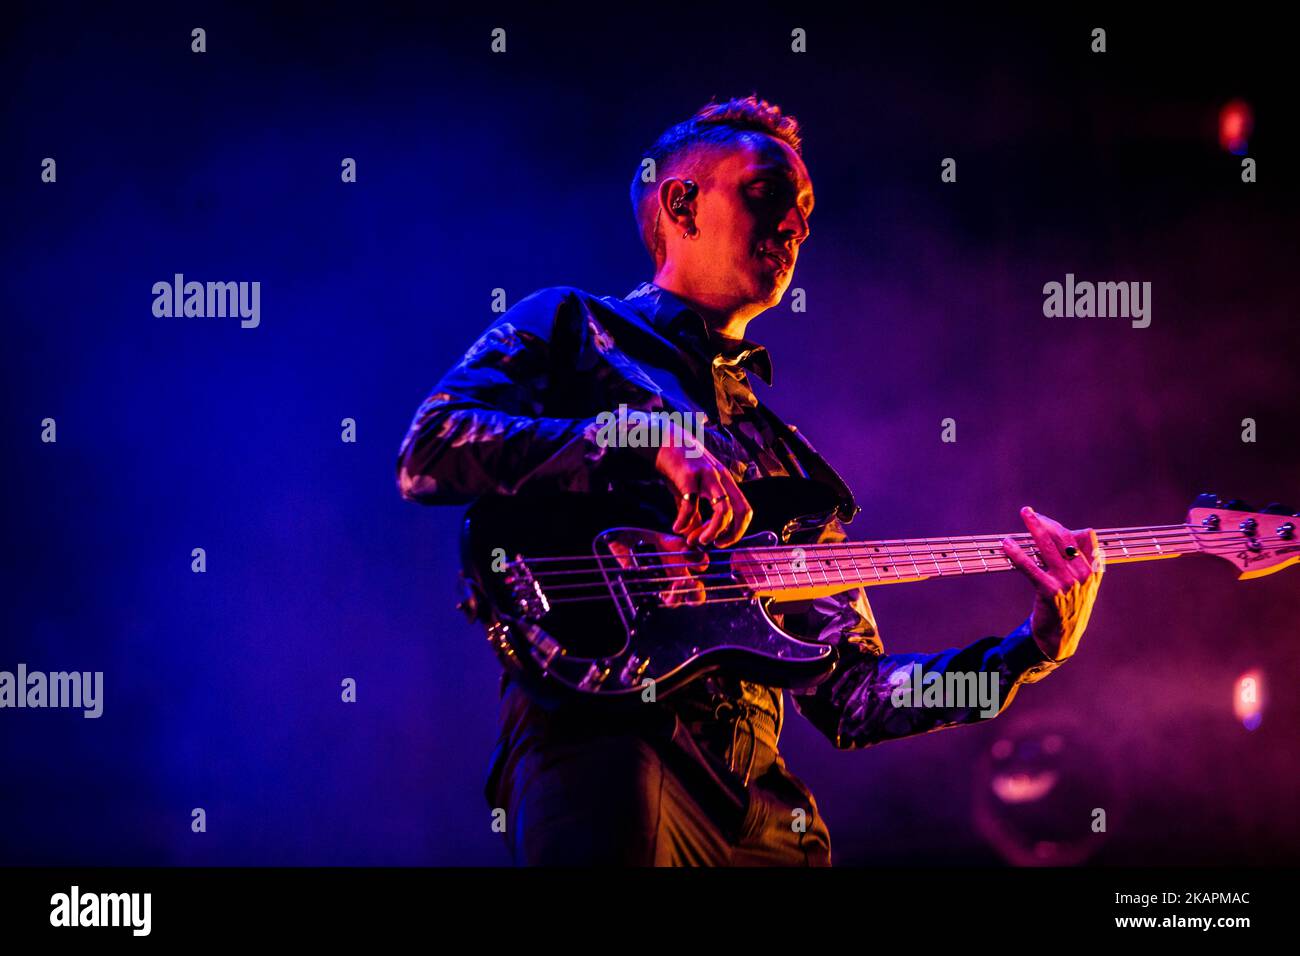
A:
{"x":1248,"y":699}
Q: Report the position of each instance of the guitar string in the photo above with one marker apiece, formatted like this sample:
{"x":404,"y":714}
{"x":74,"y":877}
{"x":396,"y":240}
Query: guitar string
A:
{"x":649,"y":585}
{"x":602,"y":591}
{"x":745,"y":595}
{"x":870,"y":550}
{"x":825,"y":566}
{"x":927,"y":566}
{"x":969,"y":542}
{"x":850,"y":552}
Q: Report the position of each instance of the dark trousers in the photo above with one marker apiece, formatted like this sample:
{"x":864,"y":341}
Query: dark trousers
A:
{"x":651,"y":789}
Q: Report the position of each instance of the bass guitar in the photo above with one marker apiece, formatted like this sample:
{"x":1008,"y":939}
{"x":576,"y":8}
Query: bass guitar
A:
{"x":579,"y":592}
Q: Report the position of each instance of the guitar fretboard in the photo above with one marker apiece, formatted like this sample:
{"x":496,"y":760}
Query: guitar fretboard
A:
{"x":792,"y":570}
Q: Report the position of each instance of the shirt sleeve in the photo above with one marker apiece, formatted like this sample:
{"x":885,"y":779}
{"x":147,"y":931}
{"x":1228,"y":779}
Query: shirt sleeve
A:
{"x":858,"y":706}
{"x":484,"y":430}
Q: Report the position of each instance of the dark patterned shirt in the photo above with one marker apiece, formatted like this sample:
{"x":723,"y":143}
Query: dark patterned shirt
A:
{"x":520,"y":411}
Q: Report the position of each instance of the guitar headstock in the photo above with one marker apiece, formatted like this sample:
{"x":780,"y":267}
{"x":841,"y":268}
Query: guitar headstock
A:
{"x":1257,"y":542}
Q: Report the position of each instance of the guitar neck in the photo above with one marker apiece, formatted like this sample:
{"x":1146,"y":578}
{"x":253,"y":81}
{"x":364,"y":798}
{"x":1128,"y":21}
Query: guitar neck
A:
{"x":793,"y":572}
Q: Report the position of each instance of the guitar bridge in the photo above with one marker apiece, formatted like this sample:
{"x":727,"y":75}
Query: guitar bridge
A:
{"x":527,"y":594}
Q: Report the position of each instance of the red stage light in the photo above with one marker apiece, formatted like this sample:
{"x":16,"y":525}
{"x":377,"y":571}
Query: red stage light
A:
{"x":1236,"y":123}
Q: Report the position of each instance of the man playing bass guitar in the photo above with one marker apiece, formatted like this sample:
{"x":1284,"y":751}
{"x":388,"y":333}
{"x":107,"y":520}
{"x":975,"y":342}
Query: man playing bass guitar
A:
{"x":695,"y":778}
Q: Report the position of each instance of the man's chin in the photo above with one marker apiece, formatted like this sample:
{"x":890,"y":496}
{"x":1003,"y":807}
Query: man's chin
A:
{"x":767,"y":289}
{"x":774,"y":289}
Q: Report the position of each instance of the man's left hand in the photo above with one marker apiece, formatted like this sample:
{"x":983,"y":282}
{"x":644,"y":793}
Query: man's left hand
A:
{"x":1065,"y":587}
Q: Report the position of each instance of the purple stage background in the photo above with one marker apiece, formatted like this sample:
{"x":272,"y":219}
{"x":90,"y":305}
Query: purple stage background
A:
{"x":478,"y":171}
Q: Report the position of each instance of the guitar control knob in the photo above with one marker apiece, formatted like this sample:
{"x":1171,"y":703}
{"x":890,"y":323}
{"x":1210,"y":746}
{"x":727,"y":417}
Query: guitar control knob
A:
{"x":628,"y":674}
{"x":594,"y":677}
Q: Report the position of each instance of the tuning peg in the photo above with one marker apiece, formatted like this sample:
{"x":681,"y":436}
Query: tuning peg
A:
{"x":1236,"y":504}
{"x":1206,"y":499}
{"x":1277,"y":508}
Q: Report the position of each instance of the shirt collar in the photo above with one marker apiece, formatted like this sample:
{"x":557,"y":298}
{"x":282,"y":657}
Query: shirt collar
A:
{"x":672,"y":318}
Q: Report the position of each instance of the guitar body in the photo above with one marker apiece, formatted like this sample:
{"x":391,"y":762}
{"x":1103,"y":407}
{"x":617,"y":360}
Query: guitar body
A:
{"x":571,"y":590}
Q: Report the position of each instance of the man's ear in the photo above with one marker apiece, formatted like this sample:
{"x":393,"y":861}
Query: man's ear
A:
{"x":692,"y":190}
{"x":676,"y":194}
{"x":667,"y":195}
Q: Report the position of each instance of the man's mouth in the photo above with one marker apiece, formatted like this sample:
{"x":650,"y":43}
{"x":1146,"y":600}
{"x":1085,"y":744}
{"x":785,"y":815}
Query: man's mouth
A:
{"x":781,"y":258}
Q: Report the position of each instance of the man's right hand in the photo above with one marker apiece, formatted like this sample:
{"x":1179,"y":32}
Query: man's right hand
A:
{"x":703,"y":486}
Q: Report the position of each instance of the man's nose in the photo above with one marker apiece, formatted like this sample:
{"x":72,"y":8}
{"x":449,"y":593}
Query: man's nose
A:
{"x":795,"y":224}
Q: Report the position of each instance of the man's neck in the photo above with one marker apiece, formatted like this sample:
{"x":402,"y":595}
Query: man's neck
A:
{"x":725,"y":323}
